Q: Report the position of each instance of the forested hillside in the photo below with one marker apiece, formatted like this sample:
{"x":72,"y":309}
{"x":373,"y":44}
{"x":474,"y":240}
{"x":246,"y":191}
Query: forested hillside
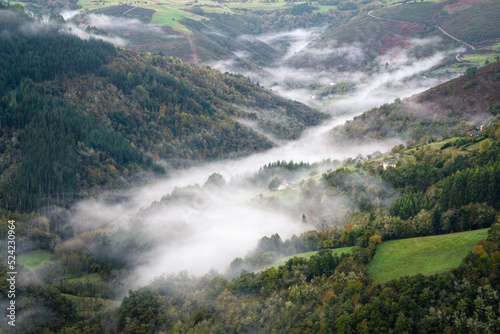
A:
{"x":440,"y":192}
{"x":81,"y":119}
{"x":79,"y":115}
{"x":325,"y":293}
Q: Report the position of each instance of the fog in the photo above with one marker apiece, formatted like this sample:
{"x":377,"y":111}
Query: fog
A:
{"x":203,"y":230}
{"x":80,"y":32}
{"x":218,"y":227}
{"x":397,"y":73}
{"x":296,"y":40}
{"x":211,"y":229}
{"x":122,"y":32}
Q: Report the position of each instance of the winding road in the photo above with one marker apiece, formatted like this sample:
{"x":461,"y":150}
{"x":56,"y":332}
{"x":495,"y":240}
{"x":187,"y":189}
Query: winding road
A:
{"x":456,"y":39}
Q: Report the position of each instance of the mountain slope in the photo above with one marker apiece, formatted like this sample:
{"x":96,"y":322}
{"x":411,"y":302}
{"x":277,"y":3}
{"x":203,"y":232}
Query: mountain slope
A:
{"x":77,"y":114}
{"x":471,"y":21}
{"x":455,"y":106}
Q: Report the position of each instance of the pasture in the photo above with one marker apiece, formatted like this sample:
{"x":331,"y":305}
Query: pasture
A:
{"x":34,"y":259}
{"x":425,"y":255}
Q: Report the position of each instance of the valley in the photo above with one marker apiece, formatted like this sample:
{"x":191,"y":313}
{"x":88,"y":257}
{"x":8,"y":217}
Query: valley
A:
{"x":247,"y":167}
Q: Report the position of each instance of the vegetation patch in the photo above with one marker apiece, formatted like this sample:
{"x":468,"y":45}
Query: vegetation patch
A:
{"x":480,"y":59}
{"x":307,"y":256}
{"x":425,"y":255}
{"x":34,"y":259}
{"x":477,"y":146}
{"x":92,"y":278}
{"x":86,"y":306}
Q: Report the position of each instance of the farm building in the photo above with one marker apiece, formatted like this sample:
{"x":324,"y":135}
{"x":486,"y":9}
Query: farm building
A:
{"x":388,"y":164}
{"x":473,"y":133}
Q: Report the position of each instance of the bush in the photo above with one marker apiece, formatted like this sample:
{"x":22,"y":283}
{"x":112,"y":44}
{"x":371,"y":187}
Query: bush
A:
{"x":470,"y":71}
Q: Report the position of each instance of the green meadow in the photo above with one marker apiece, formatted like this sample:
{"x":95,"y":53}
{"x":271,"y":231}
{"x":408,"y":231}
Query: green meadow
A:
{"x":34,"y":259}
{"x":425,"y":255}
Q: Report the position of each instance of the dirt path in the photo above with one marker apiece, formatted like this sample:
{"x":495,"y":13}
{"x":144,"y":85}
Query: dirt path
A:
{"x":456,"y":39}
{"x":131,"y":9}
{"x":193,"y":50}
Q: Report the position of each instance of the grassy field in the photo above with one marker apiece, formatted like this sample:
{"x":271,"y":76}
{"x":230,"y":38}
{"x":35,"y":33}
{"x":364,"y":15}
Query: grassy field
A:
{"x":426,"y":255}
{"x":34,"y":259}
{"x":307,"y":255}
{"x":324,"y":8}
{"x":279,"y":5}
{"x":437,"y":146}
{"x":476,"y":146}
{"x":408,"y":153}
{"x":167,"y":13}
{"x":453,"y":68}
{"x":480,"y":59}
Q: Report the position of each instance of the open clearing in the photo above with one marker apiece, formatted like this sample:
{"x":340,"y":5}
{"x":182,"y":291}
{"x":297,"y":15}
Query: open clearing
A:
{"x":425,"y":255}
{"x":34,"y":259}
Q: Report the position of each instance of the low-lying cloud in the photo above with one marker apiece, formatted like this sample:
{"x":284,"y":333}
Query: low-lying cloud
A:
{"x":123,"y":32}
{"x":297,"y":39}
{"x":209,"y":229}
{"x":206,"y":230}
{"x":397,"y":74}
